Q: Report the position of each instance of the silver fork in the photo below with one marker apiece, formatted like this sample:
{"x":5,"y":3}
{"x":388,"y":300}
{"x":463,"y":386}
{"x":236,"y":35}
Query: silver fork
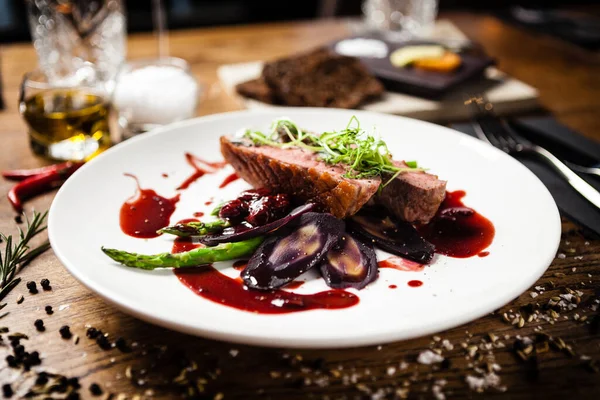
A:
{"x":496,"y":132}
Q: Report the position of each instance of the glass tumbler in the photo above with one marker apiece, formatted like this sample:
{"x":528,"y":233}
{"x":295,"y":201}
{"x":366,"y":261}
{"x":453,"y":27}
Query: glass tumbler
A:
{"x":400,"y":19}
{"x":77,"y":38}
{"x":65,"y":122}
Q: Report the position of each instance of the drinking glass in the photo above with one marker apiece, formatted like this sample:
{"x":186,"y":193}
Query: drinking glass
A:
{"x":77,"y":38}
{"x":65,"y":122}
{"x":400,"y":19}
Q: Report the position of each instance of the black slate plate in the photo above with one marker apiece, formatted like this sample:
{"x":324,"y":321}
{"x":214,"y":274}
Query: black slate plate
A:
{"x":432,"y":85}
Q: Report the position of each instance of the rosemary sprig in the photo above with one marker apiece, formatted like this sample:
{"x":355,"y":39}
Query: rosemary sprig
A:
{"x":366,"y":155}
{"x":17,"y":254}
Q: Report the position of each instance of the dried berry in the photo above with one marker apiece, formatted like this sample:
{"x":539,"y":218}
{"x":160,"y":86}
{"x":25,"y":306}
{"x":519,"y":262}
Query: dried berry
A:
{"x":32,"y":287}
{"x":45,"y":284}
{"x":49,"y":310}
{"x":95,"y":389}
{"x":267,"y":209}
{"x":234,"y":211}
{"x":65,"y":332}
{"x":254,"y":194}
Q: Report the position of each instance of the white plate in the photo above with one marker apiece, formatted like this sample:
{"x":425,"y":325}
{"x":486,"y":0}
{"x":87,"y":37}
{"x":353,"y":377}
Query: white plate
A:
{"x":85,"y":216}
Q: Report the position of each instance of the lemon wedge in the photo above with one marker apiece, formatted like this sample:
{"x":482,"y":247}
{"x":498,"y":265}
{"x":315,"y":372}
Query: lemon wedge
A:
{"x":409,"y":54}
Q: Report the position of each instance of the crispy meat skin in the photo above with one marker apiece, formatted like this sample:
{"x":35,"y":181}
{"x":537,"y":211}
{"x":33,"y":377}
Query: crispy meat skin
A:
{"x":413,"y":197}
{"x":299,"y":173}
{"x":319,"y":78}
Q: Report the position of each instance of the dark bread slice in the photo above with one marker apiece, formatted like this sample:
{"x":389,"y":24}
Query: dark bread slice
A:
{"x":321,"y":78}
{"x":257,"y":89}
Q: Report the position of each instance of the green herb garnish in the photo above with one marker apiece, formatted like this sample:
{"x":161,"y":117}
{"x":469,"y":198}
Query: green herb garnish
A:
{"x":17,"y":253}
{"x":366,"y":155}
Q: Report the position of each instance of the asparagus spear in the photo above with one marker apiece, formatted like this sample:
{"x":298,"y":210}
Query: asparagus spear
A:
{"x":195,"y":228}
{"x":192,"y":258}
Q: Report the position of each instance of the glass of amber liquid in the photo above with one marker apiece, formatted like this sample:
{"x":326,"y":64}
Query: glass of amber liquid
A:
{"x":66,"y":122}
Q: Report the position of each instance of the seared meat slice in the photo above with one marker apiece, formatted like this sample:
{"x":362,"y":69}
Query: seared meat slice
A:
{"x":413,"y":196}
{"x":257,"y":89}
{"x":299,"y":173}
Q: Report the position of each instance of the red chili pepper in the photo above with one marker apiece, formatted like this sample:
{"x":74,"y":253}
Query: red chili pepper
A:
{"x":40,"y":183}
{"x":22,"y":174}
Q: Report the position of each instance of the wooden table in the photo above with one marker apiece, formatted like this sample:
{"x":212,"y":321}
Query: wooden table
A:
{"x":568,"y":80}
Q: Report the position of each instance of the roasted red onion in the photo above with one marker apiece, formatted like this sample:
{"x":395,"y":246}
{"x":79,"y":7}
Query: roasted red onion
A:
{"x":281,"y":259}
{"x":350,"y":264}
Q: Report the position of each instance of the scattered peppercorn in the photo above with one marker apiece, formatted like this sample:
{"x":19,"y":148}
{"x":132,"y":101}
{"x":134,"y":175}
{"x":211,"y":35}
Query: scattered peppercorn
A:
{"x":7,"y":390}
{"x":19,"y":219}
{"x":65,"y":332}
{"x":42,"y":379}
{"x":121,"y":344}
{"x":39,"y":325}
{"x":11,"y":361}
{"x":92,"y":333}
{"x":103,"y":342}
{"x":73,"y":396}
{"x":95,"y":389}
{"x":45,"y":284}
{"x":32,"y":287}
{"x":49,"y":310}
{"x":73,"y":382}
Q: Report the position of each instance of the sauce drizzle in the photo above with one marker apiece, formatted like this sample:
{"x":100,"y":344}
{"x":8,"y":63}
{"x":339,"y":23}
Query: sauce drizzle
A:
{"x":209,"y":283}
{"x":401,"y":264}
{"x":228,"y":179}
{"x":145,"y":213}
{"x":201,"y":168}
{"x":415,"y":283}
{"x":456,"y":230}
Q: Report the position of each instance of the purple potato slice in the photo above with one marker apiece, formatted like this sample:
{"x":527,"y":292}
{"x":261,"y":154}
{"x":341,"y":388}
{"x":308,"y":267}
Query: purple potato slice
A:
{"x":242,"y":232}
{"x":392,"y":235}
{"x":281,"y":259}
{"x":350,"y":264}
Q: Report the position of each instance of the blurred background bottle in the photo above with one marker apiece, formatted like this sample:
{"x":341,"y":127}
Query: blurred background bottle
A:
{"x":65,"y":122}
{"x":76,"y":40}
{"x":400,"y":19}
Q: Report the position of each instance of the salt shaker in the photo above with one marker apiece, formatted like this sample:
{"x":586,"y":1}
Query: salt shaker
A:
{"x":152,"y":93}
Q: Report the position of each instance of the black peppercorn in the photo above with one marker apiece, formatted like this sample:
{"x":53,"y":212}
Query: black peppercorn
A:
{"x":42,"y":379}
{"x":32,"y":287}
{"x":103,"y":342}
{"x":65,"y":332}
{"x":7,"y":390}
{"x":121,"y":344}
{"x":92,"y":333}
{"x":49,"y":310}
{"x":45,"y":284}
{"x":73,"y":396}
{"x":19,"y":219}
{"x":39,"y":325}
{"x":11,"y":361}
{"x":19,"y":350}
{"x":74,"y":383}
{"x":95,"y":389}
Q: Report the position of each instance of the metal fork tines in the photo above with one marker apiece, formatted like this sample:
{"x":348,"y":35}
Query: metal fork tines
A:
{"x":496,"y":131}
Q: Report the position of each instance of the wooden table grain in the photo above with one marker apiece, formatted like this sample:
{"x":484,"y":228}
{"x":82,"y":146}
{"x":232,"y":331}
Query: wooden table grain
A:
{"x":165,"y":364}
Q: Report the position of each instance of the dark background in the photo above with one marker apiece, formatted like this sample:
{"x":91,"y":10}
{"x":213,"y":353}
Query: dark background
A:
{"x":196,"y":13}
